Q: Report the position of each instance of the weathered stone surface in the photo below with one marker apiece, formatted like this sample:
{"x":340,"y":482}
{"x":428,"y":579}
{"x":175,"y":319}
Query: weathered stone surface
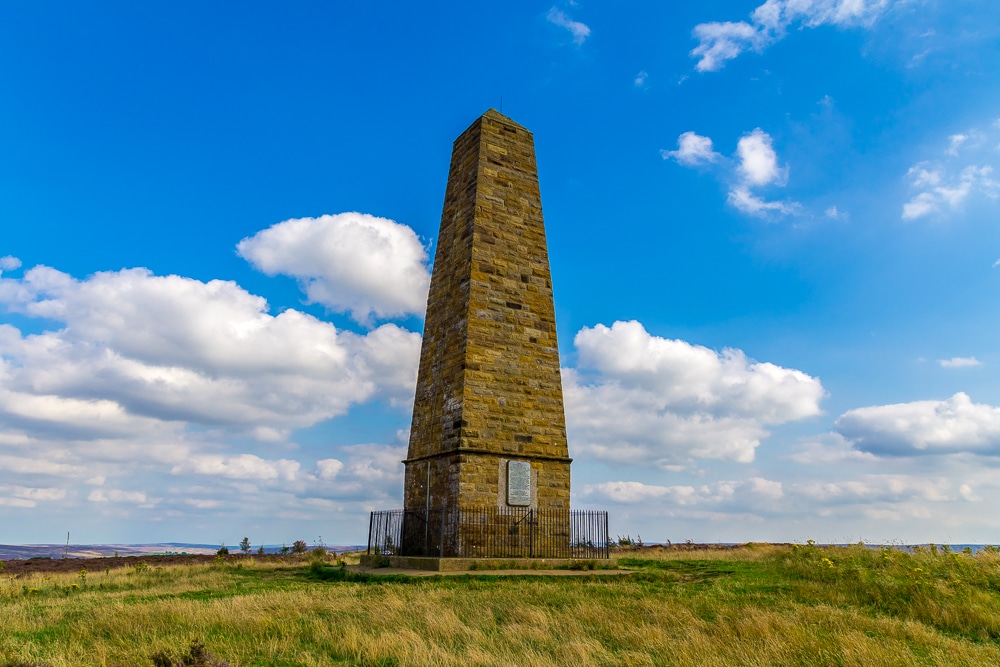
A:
{"x":489,"y":388}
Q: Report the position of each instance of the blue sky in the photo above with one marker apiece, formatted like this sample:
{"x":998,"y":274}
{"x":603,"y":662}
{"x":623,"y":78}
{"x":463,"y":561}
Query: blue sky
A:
{"x":772,"y":227}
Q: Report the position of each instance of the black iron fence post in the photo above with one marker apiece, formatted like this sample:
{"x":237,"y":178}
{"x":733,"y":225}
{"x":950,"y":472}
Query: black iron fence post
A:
{"x":531,"y":535}
{"x":441,"y":541}
{"x":607,"y":541}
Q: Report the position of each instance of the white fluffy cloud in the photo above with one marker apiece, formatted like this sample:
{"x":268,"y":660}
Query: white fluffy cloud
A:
{"x":939,"y":190}
{"x":580,"y":31}
{"x":692,"y":150}
{"x":369,"y":471}
{"x":758,"y":167}
{"x":641,"y":399}
{"x":9,"y":263}
{"x":924,"y":427}
{"x":758,"y":161}
{"x":966,"y":168}
{"x":755,"y":166}
{"x":348,"y":262}
{"x":327,"y":469}
{"x":244,"y":466}
{"x":719,"y":42}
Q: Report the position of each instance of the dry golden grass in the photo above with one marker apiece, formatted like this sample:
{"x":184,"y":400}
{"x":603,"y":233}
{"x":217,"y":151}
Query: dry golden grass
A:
{"x":743,"y":552}
{"x":753,"y":606}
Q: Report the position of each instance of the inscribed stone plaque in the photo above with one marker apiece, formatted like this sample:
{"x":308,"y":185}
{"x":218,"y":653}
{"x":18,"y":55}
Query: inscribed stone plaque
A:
{"x":519,"y":483}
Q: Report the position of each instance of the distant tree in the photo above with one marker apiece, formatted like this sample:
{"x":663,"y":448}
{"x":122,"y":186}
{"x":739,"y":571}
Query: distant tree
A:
{"x":245,"y":545}
{"x":284,"y":549}
{"x":260,"y":550}
{"x":223,"y":550}
{"x":299,"y":547}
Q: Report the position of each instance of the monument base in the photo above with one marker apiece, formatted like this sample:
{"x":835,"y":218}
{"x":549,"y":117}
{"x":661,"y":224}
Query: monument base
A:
{"x":480,"y":534}
{"x":467,"y":564}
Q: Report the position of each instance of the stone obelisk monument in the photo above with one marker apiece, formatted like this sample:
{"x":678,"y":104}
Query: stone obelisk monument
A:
{"x":488,"y":427}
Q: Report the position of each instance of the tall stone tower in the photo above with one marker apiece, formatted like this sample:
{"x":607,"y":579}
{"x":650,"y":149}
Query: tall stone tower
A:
{"x":488,"y":429}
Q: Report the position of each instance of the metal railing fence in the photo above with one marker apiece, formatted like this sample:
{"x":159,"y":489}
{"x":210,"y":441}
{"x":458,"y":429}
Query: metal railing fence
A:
{"x":489,"y":533}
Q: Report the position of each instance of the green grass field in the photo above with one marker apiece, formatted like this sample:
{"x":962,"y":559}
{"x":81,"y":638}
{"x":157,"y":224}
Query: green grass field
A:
{"x":756,"y":605}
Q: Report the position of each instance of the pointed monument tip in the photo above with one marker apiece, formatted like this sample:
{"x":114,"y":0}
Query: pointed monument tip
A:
{"x":493,"y":114}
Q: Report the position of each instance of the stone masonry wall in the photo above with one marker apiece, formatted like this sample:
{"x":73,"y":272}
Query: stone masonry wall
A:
{"x":489,"y":387}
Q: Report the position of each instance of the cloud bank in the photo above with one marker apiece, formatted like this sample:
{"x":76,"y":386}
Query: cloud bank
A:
{"x":134,"y":349}
{"x":953,"y":425}
{"x":139,"y":380}
{"x":640,"y":399}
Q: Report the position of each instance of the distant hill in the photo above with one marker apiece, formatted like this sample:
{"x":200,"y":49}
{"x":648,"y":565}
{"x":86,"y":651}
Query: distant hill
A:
{"x":14,"y":551}
{"x":18,"y":551}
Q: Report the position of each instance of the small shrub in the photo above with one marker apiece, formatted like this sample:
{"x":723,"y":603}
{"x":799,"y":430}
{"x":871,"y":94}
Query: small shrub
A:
{"x":284,"y":549}
{"x":319,"y":550}
{"x":223,"y":550}
{"x":245,"y":545}
{"x":299,"y":547}
{"x":627,"y":541}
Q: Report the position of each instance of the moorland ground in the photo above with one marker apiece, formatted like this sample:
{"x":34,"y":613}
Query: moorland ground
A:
{"x":752,"y":605}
